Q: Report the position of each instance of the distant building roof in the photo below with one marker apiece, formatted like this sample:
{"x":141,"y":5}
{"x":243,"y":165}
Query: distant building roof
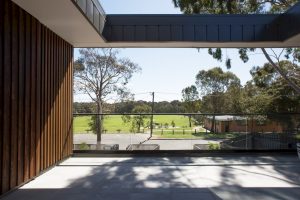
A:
{"x":225,"y":118}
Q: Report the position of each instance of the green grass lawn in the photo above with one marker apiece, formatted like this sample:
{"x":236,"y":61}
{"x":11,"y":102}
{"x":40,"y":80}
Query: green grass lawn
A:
{"x":180,"y":121}
{"x":113,"y":123}
{"x":81,"y":124}
{"x":190,"y":134}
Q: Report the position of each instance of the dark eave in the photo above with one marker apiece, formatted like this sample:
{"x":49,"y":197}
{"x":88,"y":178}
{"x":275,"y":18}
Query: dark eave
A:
{"x":83,"y":23}
{"x":193,"y":28}
{"x":266,"y":30}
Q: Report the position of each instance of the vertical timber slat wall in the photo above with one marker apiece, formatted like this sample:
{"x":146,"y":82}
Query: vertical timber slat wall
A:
{"x":35,"y":97}
{"x":1,"y":88}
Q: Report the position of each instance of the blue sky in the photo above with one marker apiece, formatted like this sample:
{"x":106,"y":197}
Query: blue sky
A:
{"x":168,"y":71}
{"x":139,"y":7}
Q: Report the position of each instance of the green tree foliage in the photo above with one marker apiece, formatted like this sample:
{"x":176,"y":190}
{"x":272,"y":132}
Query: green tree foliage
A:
{"x":160,"y":107}
{"x":190,"y":98}
{"x":289,"y":52}
{"x":232,"y":100}
{"x":84,"y":107}
{"x":173,"y":124}
{"x":269,"y":83}
{"x":94,"y":125}
{"x":137,"y":121}
{"x":213,"y":84}
{"x":215,"y":80}
{"x":233,"y":6}
{"x":84,"y":146}
{"x":268,"y":93}
{"x":254,"y":100}
{"x":127,"y":107}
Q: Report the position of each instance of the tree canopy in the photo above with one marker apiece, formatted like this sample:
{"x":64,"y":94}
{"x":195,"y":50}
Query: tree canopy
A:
{"x":233,"y":6}
{"x":215,"y":81}
{"x":269,"y":83}
{"x":100,"y":73}
{"x":190,"y":98}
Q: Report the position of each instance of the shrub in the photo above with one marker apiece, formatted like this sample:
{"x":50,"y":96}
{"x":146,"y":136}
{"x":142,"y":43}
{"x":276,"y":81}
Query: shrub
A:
{"x":84,"y":146}
{"x":213,"y":146}
{"x":166,"y":125}
{"x":173,"y":124}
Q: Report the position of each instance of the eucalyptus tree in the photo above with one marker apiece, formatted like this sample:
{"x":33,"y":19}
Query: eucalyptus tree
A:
{"x":190,"y":98}
{"x":233,"y":6}
{"x":269,"y":94}
{"x":212,"y":85}
{"x":102,"y":73}
{"x":270,"y":82}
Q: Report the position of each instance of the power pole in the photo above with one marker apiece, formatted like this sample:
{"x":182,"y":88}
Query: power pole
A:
{"x":152,"y":111}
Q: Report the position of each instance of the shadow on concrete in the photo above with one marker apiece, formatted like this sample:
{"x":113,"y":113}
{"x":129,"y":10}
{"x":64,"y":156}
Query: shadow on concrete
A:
{"x":158,"y":178}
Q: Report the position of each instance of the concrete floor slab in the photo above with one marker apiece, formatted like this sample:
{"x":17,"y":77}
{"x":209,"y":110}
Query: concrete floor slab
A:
{"x":174,"y":178}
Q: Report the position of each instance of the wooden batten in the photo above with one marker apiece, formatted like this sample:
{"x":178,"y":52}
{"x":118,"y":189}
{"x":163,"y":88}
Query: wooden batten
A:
{"x":35,"y":97}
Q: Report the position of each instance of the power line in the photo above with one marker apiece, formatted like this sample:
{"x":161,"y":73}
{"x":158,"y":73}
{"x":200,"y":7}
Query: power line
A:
{"x":172,"y":93}
{"x":143,"y":93}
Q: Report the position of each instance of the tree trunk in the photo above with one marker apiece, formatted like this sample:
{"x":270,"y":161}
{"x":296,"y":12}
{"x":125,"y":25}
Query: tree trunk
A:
{"x":190,"y":121}
{"x":99,"y":124}
{"x":252,"y":124}
{"x":281,"y":72}
{"x":213,"y":124}
{"x":139,"y":125}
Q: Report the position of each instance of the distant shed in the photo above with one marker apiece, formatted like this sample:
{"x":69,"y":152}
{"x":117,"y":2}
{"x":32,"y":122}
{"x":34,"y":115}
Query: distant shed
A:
{"x":229,"y":123}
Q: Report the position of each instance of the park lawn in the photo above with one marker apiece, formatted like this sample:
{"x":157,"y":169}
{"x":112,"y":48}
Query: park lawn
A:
{"x":81,"y":124}
{"x":112,"y":124}
{"x":180,"y":121}
{"x":115,"y":124}
{"x":190,"y":134}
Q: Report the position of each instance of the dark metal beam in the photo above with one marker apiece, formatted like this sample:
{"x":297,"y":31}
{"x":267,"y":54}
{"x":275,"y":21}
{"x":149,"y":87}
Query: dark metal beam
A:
{"x":203,"y":28}
{"x":193,"y":28}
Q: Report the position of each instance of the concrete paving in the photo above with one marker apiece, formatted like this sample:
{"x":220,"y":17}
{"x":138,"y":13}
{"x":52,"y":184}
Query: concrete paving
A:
{"x":168,"y":178}
{"x":122,"y":139}
{"x":178,"y":144}
{"x":126,"y":139}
